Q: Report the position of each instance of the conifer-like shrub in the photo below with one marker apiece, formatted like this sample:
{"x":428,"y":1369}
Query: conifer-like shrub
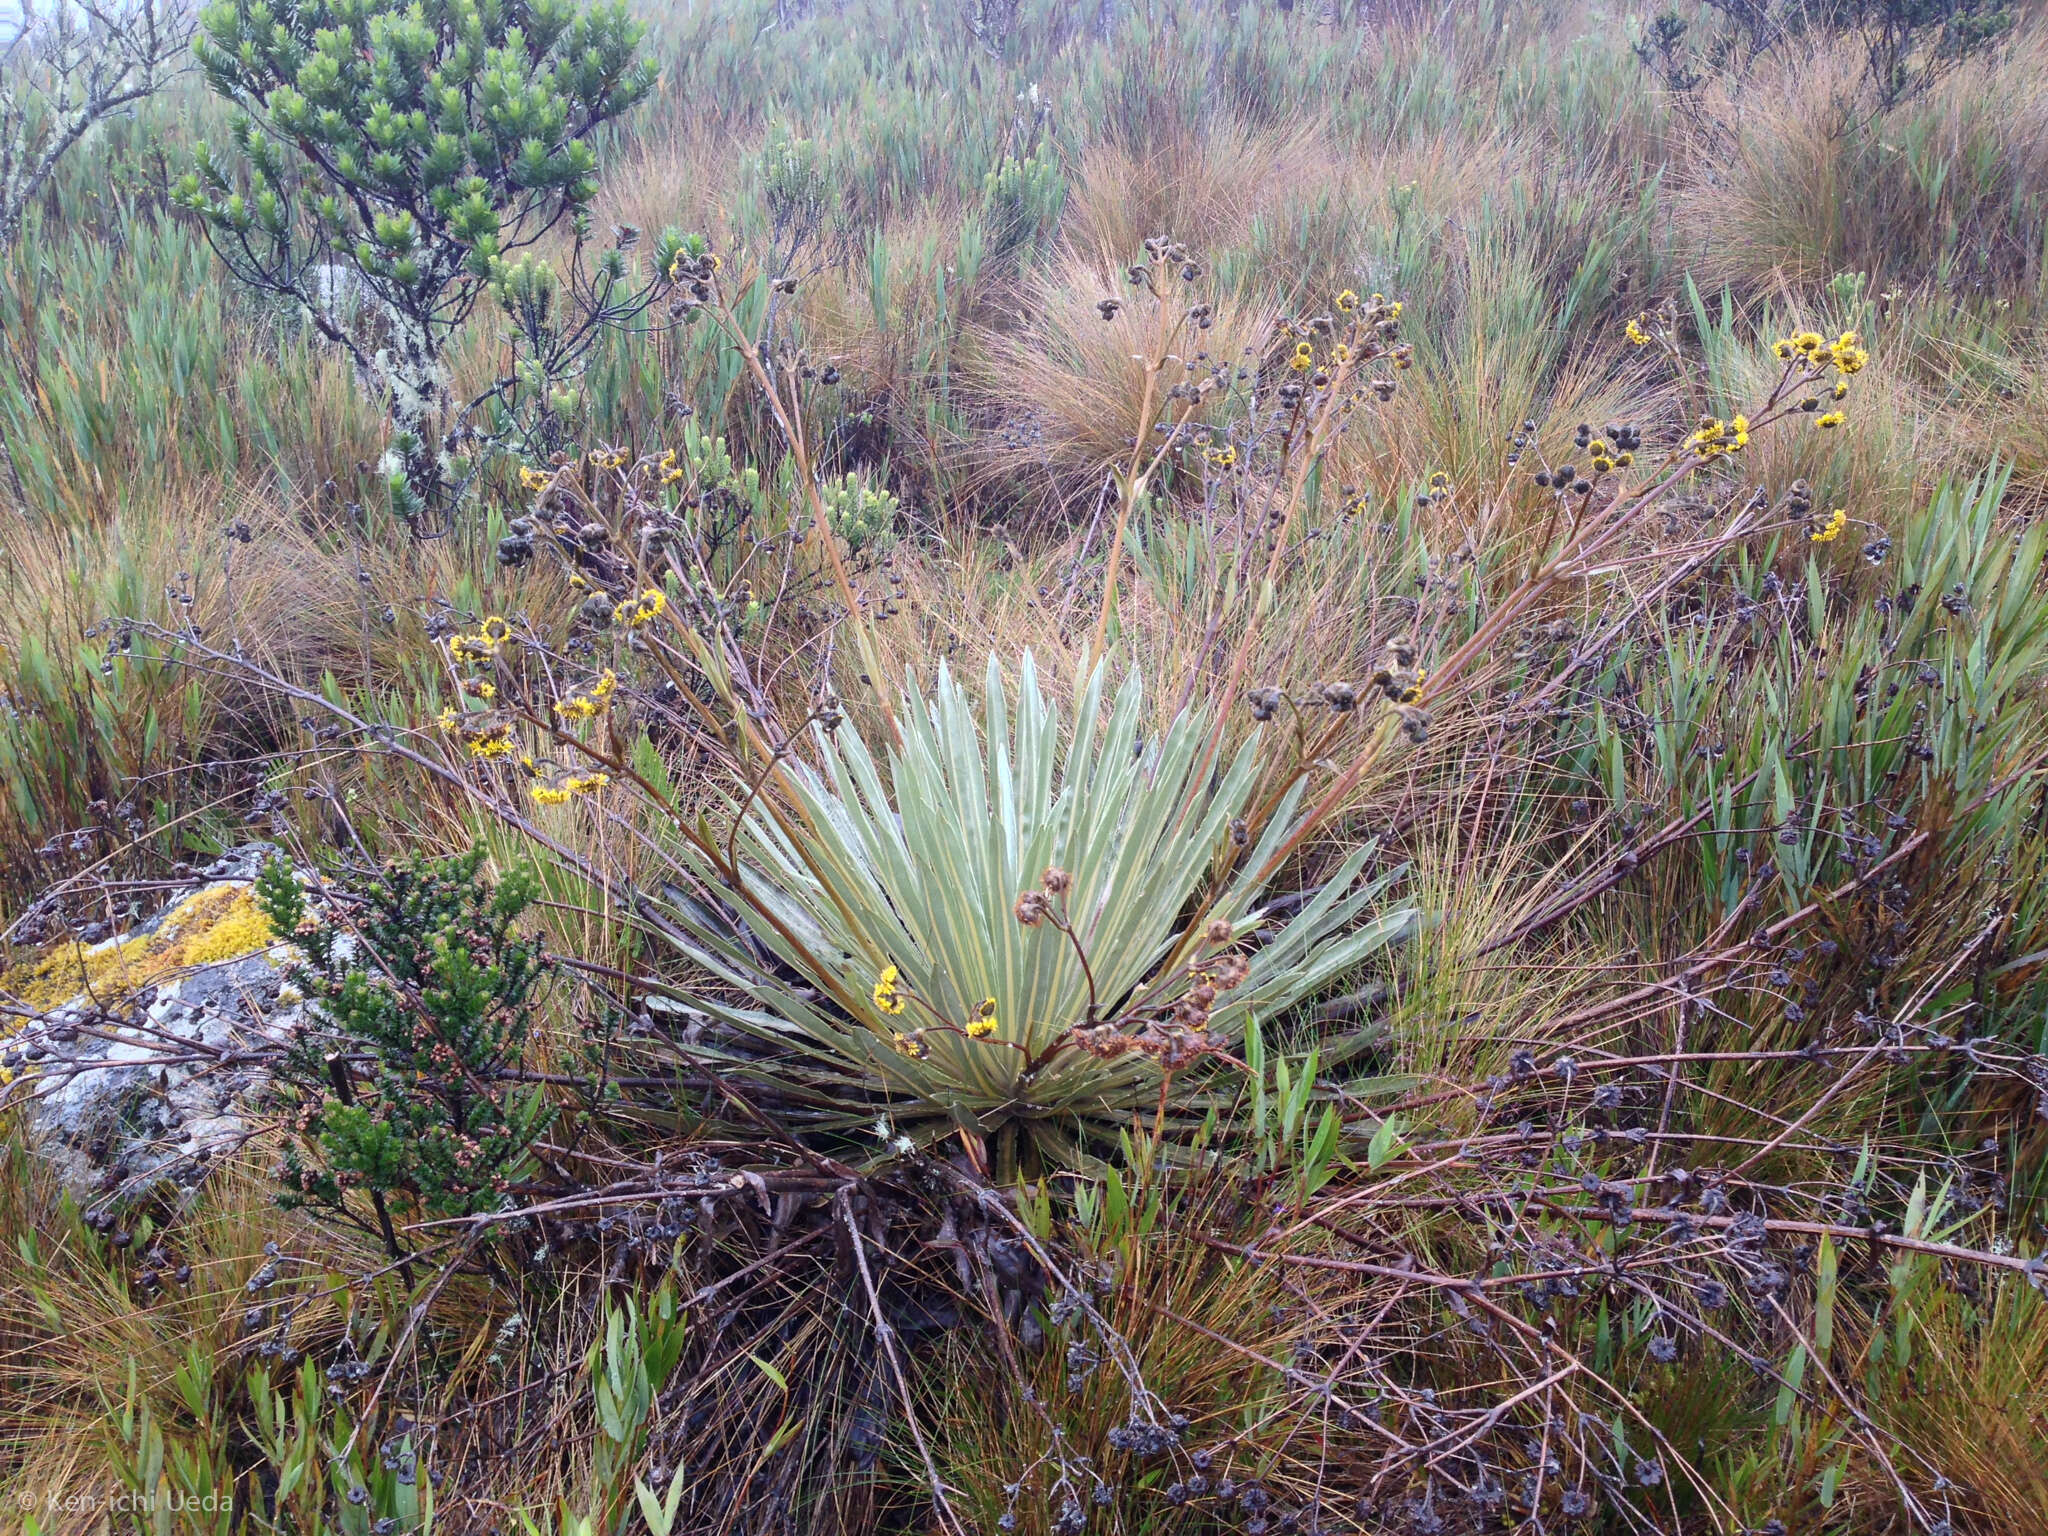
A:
{"x":419,"y":999}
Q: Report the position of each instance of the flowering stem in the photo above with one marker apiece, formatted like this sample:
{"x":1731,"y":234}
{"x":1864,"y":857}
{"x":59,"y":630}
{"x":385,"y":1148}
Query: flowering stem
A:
{"x":792,"y":431}
{"x":1131,"y":485}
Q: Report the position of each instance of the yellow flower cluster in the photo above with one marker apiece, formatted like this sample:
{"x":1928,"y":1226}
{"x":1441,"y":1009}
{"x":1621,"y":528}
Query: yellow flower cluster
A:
{"x":561,"y":791}
{"x":983,"y":1024}
{"x":1716,"y":437}
{"x":492,"y":742}
{"x":607,"y":458}
{"x":1811,"y":350}
{"x":1846,"y":354}
{"x":533,"y":479}
{"x":671,"y":471}
{"x":1606,"y":460}
{"x":1223,"y":457}
{"x":1378,"y":309}
{"x":1831,"y":530}
{"x":1304,"y":358}
{"x":491,"y":634}
{"x":889,"y":992}
{"x":582,"y":706}
{"x":1637,"y":336}
{"x":1376,"y":306}
{"x":635,"y":611}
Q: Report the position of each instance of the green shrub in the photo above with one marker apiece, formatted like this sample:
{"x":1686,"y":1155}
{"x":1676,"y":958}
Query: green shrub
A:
{"x":420,"y":1004}
{"x":861,"y":514}
{"x":1023,"y":197}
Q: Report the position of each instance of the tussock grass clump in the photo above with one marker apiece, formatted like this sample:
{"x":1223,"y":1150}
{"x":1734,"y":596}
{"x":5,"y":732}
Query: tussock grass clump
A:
{"x":1809,"y":179}
{"x":1065,"y":386}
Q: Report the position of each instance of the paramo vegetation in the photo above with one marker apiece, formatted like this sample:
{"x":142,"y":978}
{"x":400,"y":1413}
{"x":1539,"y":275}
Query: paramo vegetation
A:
{"x":1032,"y":766}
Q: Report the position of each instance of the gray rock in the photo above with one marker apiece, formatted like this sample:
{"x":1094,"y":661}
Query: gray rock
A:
{"x":243,"y":863}
{"x":127,"y":1096}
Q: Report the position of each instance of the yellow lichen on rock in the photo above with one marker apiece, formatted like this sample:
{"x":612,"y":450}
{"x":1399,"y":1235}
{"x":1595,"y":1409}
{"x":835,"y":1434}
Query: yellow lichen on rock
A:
{"x":217,"y":925}
{"x":220,"y":923}
{"x":39,"y":985}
